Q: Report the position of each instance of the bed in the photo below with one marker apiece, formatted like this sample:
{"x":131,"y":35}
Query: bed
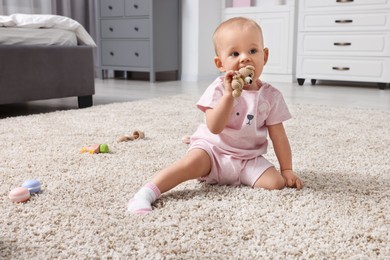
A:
{"x":56,"y":64}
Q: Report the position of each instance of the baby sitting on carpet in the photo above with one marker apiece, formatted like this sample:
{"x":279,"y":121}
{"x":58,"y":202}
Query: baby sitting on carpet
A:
{"x":228,"y":149}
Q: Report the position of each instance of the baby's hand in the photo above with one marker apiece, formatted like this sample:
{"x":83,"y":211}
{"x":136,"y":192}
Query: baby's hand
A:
{"x":228,"y":81}
{"x":292,"y":180}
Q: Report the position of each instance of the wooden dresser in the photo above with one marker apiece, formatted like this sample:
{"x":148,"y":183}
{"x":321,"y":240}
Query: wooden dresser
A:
{"x":344,"y":40}
{"x":138,"y":35}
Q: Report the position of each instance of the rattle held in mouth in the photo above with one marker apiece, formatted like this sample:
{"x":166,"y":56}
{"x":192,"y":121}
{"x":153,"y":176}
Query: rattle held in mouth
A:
{"x":243,"y":77}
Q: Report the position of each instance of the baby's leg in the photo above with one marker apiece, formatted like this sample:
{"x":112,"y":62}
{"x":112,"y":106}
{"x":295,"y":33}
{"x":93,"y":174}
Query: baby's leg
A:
{"x":196,"y":163}
{"x":271,"y":179}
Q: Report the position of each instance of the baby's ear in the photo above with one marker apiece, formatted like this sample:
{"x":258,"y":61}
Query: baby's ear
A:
{"x":266,"y":53}
{"x":218,"y":64}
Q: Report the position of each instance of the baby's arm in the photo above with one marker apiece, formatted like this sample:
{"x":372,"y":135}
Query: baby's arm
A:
{"x":218,"y":117}
{"x":283,"y":153}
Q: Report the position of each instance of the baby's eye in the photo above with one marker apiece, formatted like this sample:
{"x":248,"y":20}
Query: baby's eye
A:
{"x":235,"y":54}
{"x":253,"y":51}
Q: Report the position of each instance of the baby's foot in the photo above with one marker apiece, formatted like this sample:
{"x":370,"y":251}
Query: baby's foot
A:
{"x":142,"y":201}
{"x":139,"y":206}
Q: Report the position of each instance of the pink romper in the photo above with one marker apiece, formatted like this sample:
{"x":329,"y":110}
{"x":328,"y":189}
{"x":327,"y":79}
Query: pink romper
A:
{"x":237,"y":152}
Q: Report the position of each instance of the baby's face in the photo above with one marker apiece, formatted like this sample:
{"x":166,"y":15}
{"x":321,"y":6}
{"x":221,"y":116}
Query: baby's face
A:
{"x":239,"y":46}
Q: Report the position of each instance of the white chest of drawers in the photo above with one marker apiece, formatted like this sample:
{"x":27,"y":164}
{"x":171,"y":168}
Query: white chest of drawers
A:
{"x":345,"y":40}
{"x":138,"y":35}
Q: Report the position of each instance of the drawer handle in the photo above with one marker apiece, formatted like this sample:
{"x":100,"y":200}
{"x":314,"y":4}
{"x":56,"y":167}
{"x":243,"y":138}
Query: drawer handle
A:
{"x":111,"y":53}
{"x":135,"y":6}
{"x":111,"y":29}
{"x":136,"y":54}
{"x":342,"y":44}
{"x":343,"y":21}
{"x":340,"y":68}
{"x":110,"y":7}
{"x":136,"y":29}
{"x":344,"y":1}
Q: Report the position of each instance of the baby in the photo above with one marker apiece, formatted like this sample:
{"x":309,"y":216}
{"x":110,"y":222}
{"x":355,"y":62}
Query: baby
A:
{"x":228,"y":149}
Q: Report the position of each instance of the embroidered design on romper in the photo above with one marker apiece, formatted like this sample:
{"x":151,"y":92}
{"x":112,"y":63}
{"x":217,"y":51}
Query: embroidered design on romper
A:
{"x":249,"y":117}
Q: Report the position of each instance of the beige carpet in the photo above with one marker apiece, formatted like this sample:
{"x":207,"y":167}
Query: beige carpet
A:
{"x":342,"y":154}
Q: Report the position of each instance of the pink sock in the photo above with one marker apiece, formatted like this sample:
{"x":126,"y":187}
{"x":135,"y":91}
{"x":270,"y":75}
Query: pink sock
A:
{"x":143,"y":199}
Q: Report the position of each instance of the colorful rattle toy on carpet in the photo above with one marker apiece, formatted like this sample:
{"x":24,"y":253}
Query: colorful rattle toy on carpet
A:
{"x":243,"y":77}
{"x":23,"y":193}
{"x":95,"y":148}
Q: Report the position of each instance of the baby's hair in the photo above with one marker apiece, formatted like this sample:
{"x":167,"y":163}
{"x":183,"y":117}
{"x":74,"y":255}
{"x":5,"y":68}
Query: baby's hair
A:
{"x":234,"y":20}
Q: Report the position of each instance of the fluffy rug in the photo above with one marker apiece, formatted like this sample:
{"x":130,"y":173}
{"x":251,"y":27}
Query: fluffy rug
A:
{"x":342,"y":154}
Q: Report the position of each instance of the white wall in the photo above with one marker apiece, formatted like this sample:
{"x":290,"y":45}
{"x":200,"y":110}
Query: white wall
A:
{"x":8,"y":7}
{"x":199,"y":20}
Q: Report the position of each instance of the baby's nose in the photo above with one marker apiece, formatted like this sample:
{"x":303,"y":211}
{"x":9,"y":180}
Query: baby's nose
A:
{"x":244,"y":57}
